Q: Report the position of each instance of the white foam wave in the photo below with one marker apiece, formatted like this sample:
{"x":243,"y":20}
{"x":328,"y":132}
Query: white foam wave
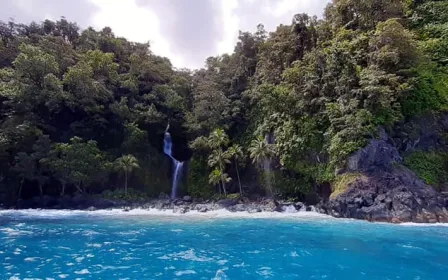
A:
{"x":14,"y":232}
{"x":185,"y":272}
{"x":223,"y":213}
{"x":83,"y":271}
{"x":424,"y":224}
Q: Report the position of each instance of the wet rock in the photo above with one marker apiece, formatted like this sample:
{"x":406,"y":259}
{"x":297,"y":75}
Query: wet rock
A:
{"x":388,"y":191}
{"x":227,"y":202}
{"x":300,"y":206}
{"x":103,"y":203}
{"x":24,"y":204}
{"x":238,"y":208}
{"x":187,"y":198}
{"x":91,"y":208}
{"x":164,"y":196}
{"x":254,"y":210}
{"x":79,"y":201}
{"x":378,"y":154}
{"x":396,"y":196}
{"x":178,"y":202}
{"x":181,"y":210}
{"x":201,"y":208}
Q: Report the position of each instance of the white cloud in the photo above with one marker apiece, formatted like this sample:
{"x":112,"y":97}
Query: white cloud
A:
{"x":135,"y":23}
{"x":25,"y":5}
{"x":230,"y":24}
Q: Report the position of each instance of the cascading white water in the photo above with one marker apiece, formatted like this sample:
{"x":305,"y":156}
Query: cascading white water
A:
{"x":289,"y":209}
{"x":178,"y":166}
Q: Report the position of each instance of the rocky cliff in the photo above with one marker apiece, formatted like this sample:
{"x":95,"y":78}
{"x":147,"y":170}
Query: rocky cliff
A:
{"x":379,"y":188}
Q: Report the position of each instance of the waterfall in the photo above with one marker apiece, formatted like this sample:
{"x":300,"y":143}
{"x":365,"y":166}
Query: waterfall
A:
{"x":177,"y":165}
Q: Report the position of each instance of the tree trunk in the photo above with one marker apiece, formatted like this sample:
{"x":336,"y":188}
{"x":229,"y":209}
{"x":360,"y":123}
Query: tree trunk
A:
{"x":219,"y":188}
{"x":223,"y":182}
{"x":125,"y":183}
{"x":238,"y":175}
{"x":78,"y":187}
{"x":41,"y":191}
{"x":20,"y":187}
{"x":63,"y":189}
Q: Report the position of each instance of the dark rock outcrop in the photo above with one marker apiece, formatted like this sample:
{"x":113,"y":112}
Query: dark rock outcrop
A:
{"x":390,"y":196}
{"x":385,"y":190}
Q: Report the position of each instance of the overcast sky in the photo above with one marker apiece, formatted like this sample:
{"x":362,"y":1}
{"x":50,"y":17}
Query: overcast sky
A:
{"x":186,"y":31}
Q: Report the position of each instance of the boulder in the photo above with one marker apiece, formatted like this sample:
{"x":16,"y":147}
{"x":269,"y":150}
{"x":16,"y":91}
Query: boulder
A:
{"x":80,"y":201}
{"x":65,"y":202}
{"x":164,"y":196}
{"x":238,"y":208}
{"x":386,"y":190}
{"x":24,"y":204}
{"x":187,"y":198}
{"x":227,"y":202}
{"x":396,"y":195}
{"x":300,"y":206}
{"x":254,"y":210}
{"x":103,"y":203}
{"x":378,"y":154}
{"x":181,"y":210}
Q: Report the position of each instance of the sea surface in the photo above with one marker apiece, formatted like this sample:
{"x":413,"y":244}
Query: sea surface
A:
{"x":155,"y":245}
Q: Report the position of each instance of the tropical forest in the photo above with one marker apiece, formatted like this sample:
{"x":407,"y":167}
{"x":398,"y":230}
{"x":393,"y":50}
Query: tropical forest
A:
{"x":307,"y":112}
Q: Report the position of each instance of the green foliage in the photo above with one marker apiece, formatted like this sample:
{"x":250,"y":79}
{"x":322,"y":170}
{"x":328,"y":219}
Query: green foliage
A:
{"x":198,"y":180}
{"x":127,"y":164}
{"x":260,"y":150}
{"x":431,"y":166}
{"x":132,"y":195}
{"x":79,"y":163}
{"x":318,"y":88}
{"x":289,"y":186}
{"x":430,"y":93}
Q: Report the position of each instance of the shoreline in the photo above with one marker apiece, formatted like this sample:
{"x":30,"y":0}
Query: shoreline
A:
{"x":236,"y":207}
{"x":214,"y":214}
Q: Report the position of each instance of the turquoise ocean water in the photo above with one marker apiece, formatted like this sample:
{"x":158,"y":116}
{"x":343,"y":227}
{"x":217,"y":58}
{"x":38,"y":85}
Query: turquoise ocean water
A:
{"x":146,"y":245}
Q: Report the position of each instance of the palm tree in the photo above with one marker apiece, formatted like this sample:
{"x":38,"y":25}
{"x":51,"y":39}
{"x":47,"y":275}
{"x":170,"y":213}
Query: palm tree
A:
{"x":261,"y":153}
{"x":236,"y":152}
{"x":218,"y":138}
{"x":216,"y":177}
{"x":127,"y":163}
{"x":260,"y":150}
{"x":219,"y":159}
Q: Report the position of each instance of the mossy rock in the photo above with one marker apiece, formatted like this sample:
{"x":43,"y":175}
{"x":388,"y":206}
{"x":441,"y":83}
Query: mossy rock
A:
{"x":343,"y":182}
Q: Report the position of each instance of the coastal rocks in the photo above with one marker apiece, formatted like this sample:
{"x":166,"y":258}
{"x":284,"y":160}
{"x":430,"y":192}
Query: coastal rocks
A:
{"x":181,"y":210}
{"x":384,"y":190}
{"x":378,"y":154}
{"x":227,"y":202}
{"x":396,"y":195}
{"x":164,"y":196}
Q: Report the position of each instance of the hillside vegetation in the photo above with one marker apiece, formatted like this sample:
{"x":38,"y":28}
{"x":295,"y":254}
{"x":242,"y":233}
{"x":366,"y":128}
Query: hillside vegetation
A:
{"x":278,"y":116}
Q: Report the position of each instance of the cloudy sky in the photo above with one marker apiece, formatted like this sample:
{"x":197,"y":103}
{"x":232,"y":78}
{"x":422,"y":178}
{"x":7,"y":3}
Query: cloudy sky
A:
{"x":186,"y":31}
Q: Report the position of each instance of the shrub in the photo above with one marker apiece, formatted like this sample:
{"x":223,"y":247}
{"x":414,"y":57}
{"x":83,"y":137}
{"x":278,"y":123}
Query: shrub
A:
{"x":431,"y":167}
{"x":133,"y":195}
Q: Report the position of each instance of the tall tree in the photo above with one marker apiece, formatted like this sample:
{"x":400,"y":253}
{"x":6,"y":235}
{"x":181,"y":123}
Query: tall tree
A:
{"x":236,"y":152}
{"x":219,"y":159}
{"x":127,"y":164}
{"x":261,"y":153}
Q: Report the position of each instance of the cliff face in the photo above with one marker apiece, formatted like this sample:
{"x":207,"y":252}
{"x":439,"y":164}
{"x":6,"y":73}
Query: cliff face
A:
{"x":378,"y":187}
